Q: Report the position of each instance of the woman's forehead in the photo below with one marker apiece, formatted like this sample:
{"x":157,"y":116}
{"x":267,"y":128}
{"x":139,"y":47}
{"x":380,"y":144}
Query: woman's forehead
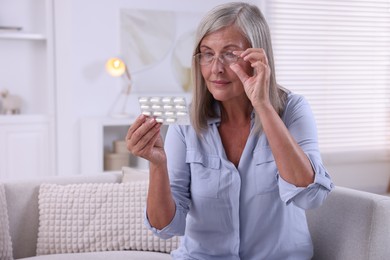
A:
{"x":225,"y":38}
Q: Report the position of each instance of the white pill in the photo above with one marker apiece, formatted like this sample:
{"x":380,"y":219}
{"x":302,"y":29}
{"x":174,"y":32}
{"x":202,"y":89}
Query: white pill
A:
{"x":143,"y":100}
{"x":155,"y":99}
{"x":171,"y":120}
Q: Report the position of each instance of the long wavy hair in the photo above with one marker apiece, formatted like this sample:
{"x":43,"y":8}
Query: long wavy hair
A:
{"x":249,"y":19}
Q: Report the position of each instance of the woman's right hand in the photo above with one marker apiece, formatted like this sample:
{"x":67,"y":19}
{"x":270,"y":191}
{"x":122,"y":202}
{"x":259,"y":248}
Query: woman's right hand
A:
{"x":143,"y":139}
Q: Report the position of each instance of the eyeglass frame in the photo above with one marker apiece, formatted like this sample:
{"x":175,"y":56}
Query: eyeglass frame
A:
{"x":222,"y":59}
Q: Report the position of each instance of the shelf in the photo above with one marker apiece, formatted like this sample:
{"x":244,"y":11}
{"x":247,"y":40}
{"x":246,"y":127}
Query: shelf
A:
{"x":23,"y":119}
{"x":27,"y":57}
{"x":21,"y":36}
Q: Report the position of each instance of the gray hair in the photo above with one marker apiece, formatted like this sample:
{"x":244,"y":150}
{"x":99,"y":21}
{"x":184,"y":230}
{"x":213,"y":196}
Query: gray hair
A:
{"x":249,"y":19}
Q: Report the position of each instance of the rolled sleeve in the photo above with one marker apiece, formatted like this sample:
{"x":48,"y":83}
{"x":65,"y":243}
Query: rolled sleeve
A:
{"x":174,"y":228}
{"x":300,"y":121}
{"x":314,"y":194}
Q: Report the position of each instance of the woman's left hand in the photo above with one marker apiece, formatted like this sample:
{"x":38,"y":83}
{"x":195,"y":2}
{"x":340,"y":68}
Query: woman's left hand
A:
{"x":257,"y":85}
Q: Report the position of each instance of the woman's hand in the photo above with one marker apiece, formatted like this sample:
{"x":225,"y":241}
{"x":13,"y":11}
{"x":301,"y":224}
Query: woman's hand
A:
{"x":143,"y":139}
{"x":293,"y":164}
{"x":257,"y":85}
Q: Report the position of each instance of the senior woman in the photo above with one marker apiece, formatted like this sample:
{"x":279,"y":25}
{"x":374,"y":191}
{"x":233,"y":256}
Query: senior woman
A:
{"x":237,"y":181}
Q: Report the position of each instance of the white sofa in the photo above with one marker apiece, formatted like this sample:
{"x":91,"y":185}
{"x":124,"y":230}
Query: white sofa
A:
{"x":23,"y":202}
{"x":350,"y":225}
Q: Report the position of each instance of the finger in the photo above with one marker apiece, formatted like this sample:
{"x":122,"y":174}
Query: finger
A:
{"x":261,"y":68}
{"x":247,"y":51}
{"x":136,"y":135}
{"x":142,"y":130}
{"x":135,"y":125}
{"x":240,"y":72}
{"x":254,"y":54}
{"x":146,"y":147}
{"x":146,"y":141}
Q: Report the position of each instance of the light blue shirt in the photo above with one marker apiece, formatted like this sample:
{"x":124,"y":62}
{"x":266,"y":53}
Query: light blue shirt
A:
{"x":247,"y":212}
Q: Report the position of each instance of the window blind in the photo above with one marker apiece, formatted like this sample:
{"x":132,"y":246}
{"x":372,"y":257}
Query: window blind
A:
{"x":337,"y":54}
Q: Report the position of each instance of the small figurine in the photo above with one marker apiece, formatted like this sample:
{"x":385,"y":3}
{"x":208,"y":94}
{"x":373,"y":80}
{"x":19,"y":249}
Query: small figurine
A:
{"x":11,"y":104}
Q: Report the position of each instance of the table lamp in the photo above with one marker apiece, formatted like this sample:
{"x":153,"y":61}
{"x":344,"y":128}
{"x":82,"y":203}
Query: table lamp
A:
{"x":116,"y":67}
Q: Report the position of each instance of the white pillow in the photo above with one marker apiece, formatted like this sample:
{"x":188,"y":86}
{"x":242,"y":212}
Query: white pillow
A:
{"x":95,"y":217}
{"x":130,"y":174}
{"x":5,"y":238}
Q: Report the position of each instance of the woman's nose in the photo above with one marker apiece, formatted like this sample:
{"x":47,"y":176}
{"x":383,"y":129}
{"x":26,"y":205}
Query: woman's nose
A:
{"x":217,"y":66}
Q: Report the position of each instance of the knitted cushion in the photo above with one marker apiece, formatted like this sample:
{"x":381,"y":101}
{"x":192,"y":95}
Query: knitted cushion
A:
{"x":95,"y":217}
{"x":5,"y":238}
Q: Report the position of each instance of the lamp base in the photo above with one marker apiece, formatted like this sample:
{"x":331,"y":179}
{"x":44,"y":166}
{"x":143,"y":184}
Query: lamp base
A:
{"x":118,"y":108}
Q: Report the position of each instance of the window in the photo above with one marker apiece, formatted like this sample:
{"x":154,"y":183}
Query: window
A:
{"x":337,"y":54}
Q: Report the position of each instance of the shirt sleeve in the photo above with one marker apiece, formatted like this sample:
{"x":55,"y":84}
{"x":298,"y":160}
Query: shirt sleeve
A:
{"x":300,"y":122}
{"x":172,"y":229}
{"x":179,"y":177}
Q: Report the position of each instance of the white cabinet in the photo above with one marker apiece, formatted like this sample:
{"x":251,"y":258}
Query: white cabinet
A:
{"x":98,"y":135}
{"x":25,"y":148}
{"x":27,"y":62}
{"x":27,"y":144}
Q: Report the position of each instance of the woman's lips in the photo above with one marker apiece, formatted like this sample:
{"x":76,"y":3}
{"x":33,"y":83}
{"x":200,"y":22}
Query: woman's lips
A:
{"x":220,"y":82}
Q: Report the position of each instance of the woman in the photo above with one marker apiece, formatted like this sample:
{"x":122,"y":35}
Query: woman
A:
{"x":236,"y":182}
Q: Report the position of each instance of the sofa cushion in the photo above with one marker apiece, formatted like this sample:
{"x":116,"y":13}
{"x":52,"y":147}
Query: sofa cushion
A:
{"x":130,"y":174}
{"x":95,"y":217}
{"x":5,"y":238}
{"x":23,"y":213}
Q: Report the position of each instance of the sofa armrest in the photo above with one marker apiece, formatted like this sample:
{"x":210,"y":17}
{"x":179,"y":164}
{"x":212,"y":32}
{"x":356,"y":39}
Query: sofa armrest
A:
{"x":351,"y":225}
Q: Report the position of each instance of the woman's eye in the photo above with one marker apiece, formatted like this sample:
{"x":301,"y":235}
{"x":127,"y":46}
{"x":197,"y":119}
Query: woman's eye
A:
{"x":229,"y":56}
{"x":208,"y":55}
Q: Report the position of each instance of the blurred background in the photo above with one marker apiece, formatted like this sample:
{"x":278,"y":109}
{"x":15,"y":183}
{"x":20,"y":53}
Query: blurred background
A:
{"x":58,"y":103}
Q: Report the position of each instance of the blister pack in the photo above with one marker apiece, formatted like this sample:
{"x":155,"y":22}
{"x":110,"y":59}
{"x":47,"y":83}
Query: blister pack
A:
{"x":165,"y":109}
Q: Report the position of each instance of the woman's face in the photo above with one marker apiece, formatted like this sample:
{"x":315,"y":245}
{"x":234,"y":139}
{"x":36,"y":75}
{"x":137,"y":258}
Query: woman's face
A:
{"x":220,"y":80}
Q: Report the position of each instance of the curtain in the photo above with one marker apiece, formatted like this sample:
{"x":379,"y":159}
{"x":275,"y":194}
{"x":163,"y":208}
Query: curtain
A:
{"x":337,"y":54}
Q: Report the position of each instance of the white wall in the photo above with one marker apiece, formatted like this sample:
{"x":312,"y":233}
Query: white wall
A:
{"x":87,"y":33}
{"x":367,"y":171}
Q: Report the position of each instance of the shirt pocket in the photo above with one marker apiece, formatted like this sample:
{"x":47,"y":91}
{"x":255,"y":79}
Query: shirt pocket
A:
{"x":266,"y":172}
{"x":205,"y":174}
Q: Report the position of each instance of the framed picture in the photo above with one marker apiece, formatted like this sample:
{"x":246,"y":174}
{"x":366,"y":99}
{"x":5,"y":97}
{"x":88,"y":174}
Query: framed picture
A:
{"x":157,"y":47}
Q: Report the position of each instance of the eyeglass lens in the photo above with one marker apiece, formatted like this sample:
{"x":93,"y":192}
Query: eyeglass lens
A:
{"x":225,"y":58}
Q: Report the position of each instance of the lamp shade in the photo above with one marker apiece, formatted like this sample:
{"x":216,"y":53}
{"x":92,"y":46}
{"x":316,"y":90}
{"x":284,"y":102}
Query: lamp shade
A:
{"x":115,"y":67}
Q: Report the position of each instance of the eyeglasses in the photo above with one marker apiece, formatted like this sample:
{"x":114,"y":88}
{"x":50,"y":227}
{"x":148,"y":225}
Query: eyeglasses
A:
{"x":226,"y":58}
